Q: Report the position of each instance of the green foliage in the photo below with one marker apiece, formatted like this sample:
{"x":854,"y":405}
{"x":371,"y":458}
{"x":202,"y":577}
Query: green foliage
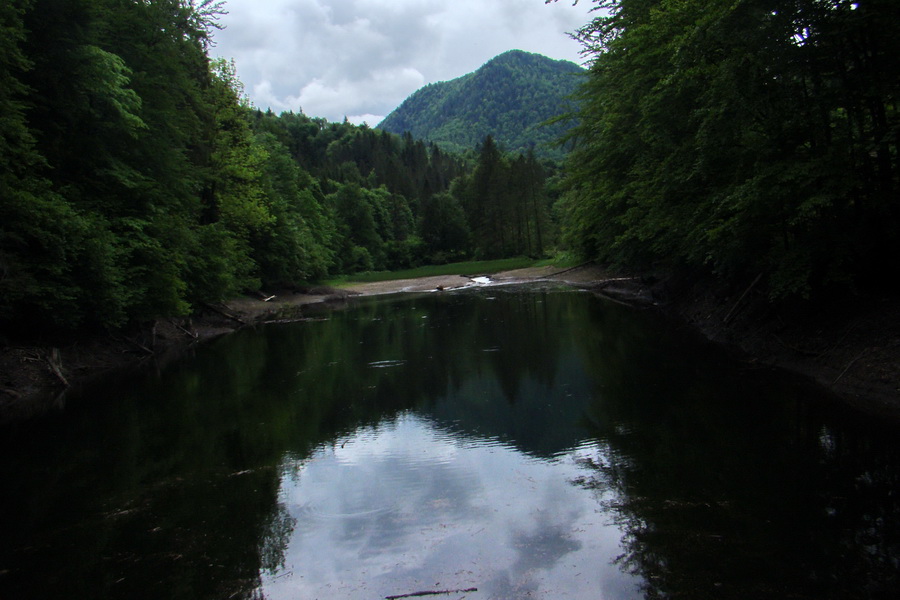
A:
{"x":136,"y":181}
{"x":375,"y":186}
{"x":361,"y":244}
{"x":296,"y":245}
{"x":505,"y":203}
{"x":220,"y":267}
{"x":444,"y":229}
{"x":740,"y":138}
{"x":509,"y":98}
{"x":105,"y":88}
{"x":110,"y":122}
{"x":371,"y":158}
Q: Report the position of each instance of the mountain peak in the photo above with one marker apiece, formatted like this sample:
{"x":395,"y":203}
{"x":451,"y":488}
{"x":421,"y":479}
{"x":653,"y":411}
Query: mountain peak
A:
{"x":516,"y":55}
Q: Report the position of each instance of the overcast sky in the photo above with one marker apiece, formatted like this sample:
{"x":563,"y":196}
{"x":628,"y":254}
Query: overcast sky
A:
{"x":362,"y":58}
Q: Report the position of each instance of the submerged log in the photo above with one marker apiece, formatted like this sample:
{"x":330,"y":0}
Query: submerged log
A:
{"x":431,"y":593}
{"x":741,"y":299}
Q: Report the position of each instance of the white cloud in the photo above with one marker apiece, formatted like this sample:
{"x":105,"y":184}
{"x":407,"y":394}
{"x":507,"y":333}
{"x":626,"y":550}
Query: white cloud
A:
{"x":336,"y":58}
{"x":370,"y":120}
{"x":342,"y":96}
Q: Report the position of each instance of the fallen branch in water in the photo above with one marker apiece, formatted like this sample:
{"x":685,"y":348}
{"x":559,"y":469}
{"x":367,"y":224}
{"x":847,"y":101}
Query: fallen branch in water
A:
{"x":431,"y":593}
{"x":797,"y":349}
{"x":850,"y":364}
{"x":741,"y":299}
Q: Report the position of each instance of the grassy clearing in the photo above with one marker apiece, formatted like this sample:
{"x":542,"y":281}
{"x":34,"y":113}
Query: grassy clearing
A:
{"x":480,"y":267}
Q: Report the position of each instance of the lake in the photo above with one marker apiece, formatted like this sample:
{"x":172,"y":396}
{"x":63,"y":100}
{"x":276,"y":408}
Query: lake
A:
{"x":495,"y":443}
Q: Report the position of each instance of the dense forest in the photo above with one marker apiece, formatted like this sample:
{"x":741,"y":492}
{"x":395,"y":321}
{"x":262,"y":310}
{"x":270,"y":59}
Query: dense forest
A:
{"x":511,"y":97}
{"x":750,"y":139}
{"x":137,"y":182}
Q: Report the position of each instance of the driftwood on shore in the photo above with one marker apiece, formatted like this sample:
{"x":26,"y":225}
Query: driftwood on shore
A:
{"x":190,"y":334}
{"x":55,"y":365}
{"x":741,"y":299}
{"x":136,"y":343}
{"x":584,"y":264}
{"x":224,"y":313}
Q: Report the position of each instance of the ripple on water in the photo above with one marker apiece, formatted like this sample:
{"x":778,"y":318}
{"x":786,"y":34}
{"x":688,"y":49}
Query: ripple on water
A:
{"x":386,"y":364}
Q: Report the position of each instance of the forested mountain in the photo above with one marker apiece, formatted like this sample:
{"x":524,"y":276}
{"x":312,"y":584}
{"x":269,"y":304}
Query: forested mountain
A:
{"x":753,"y":139}
{"x":508,"y":98}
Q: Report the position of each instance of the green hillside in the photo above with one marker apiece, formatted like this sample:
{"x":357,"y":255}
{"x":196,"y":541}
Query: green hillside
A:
{"x":509,"y":97}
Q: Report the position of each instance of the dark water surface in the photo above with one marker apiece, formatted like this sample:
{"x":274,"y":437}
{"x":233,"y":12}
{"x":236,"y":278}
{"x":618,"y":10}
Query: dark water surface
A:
{"x":530,"y":443}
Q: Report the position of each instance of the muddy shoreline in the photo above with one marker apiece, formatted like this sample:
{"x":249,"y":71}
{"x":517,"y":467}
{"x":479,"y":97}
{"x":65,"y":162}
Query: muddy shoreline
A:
{"x":851,"y":350}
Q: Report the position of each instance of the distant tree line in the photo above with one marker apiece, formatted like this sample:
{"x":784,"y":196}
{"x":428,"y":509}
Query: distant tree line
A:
{"x":748,"y":138}
{"x":393,"y":202}
{"x":137,"y":182}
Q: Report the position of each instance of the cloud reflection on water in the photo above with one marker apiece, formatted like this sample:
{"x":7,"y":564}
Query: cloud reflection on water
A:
{"x":406,"y":506}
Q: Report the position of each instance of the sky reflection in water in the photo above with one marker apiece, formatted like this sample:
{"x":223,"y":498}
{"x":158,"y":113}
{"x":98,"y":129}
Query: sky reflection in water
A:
{"x":406,"y":506}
